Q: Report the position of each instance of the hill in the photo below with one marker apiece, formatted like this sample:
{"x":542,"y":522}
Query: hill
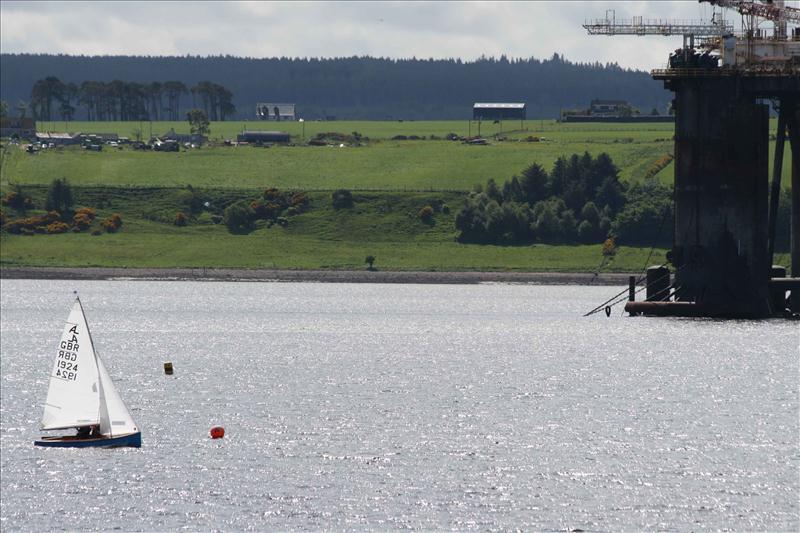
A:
{"x":355,"y":87}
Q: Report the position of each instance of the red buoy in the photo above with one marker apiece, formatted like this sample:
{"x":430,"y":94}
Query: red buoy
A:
{"x":217,"y":432}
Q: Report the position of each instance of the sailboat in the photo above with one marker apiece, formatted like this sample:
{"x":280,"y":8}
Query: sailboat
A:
{"x":82,"y":396}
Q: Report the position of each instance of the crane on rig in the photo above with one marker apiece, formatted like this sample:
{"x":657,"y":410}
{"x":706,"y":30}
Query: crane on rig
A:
{"x":752,"y":48}
{"x":774,"y":10}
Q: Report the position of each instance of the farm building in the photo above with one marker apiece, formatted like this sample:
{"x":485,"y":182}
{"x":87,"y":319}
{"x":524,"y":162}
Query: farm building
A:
{"x":610,"y":108}
{"x":266,"y":111}
{"x":261,"y":137}
{"x":499,"y":111}
{"x":102,"y":137}
{"x":611,"y":111}
{"x":57,"y":139}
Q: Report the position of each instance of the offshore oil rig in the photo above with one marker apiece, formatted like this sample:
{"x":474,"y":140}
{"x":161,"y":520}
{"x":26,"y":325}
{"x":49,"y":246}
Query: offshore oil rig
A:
{"x":725,"y":209}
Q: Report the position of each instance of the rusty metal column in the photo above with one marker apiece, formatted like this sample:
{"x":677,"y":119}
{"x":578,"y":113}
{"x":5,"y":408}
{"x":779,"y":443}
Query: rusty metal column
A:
{"x":721,"y":188}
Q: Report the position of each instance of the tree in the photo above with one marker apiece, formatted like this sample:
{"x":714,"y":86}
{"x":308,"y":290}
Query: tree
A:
{"x":342,"y":198}
{"x":90,"y":94}
{"x":493,"y":191}
{"x":174,"y":90}
{"x":22,"y":109}
{"x":471,"y":219}
{"x":558,"y":177}
{"x":590,"y":213}
{"x":69,"y":94}
{"x":59,"y":196}
{"x":154,"y":90}
{"x":611,"y":193}
{"x":647,"y":217}
{"x":239,"y":217}
{"x":512,"y":191}
{"x":569,"y":225}
{"x":426,"y":214}
{"x":625,"y":111}
{"x":198,"y":122}
{"x":217,"y":101}
{"x":586,"y":231}
{"x":43,"y":93}
{"x":534,"y":183}
{"x":547,"y":224}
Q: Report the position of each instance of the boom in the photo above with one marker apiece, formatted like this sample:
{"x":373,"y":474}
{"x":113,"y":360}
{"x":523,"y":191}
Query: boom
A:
{"x":774,"y":11}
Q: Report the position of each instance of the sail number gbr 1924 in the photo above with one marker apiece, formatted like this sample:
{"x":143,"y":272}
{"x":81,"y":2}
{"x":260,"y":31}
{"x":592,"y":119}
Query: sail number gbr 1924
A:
{"x":66,"y":362}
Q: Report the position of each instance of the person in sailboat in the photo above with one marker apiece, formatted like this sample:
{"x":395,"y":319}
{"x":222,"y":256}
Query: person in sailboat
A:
{"x":88,"y":432}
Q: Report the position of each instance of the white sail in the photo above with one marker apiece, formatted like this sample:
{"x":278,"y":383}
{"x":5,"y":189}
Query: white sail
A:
{"x":73,"y":398}
{"x":115,"y":419}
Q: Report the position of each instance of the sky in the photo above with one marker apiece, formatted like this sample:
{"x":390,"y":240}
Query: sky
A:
{"x":465,"y":30}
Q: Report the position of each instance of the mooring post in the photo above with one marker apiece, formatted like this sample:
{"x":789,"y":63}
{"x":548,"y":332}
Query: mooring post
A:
{"x":777,"y":294}
{"x":657,"y":283}
{"x":631,"y":288}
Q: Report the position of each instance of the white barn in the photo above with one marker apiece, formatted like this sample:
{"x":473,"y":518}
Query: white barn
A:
{"x":271,"y":111}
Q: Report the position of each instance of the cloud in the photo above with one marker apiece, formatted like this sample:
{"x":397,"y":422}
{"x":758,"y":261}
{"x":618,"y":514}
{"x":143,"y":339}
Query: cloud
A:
{"x":465,"y":30}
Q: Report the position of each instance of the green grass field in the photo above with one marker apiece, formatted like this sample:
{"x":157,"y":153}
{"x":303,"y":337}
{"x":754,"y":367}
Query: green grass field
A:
{"x":385,"y":225}
{"x":392,"y":180}
{"x":385,"y":165}
{"x":381,"y":165}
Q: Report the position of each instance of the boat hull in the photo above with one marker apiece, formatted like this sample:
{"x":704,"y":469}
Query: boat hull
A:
{"x":131,"y":440}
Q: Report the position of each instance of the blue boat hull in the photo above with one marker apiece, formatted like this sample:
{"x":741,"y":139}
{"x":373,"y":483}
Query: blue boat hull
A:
{"x":131,"y":440}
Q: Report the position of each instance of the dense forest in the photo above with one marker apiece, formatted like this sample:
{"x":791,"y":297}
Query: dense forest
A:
{"x":580,"y":200}
{"x":350,"y":88}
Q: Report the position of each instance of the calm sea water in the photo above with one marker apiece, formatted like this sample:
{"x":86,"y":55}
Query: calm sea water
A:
{"x":381,"y":407}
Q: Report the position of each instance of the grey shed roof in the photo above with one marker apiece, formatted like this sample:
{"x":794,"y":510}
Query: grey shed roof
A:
{"x":262,"y":132}
{"x":499,"y":106}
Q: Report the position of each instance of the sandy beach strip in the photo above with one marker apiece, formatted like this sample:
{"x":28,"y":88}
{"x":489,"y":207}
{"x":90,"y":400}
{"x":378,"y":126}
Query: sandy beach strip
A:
{"x":319,"y":276}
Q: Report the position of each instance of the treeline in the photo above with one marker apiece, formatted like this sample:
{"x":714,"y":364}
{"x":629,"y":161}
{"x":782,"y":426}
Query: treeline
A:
{"x":580,"y":200}
{"x":349,"y":88}
{"x":52,"y":98}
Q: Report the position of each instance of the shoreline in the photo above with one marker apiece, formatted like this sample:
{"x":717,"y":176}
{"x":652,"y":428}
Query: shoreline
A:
{"x":314,"y":276}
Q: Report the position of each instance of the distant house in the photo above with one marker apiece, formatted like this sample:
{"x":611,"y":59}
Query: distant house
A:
{"x":57,"y":138}
{"x":277,"y":112}
{"x":23,"y":128}
{"x":261,"y":137}
{"x":610,"y":108}
{"x":498,"y":111}
{"x":611,"y":111}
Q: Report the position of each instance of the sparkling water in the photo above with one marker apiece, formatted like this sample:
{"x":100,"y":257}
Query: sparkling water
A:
{"x":381,"y":407}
